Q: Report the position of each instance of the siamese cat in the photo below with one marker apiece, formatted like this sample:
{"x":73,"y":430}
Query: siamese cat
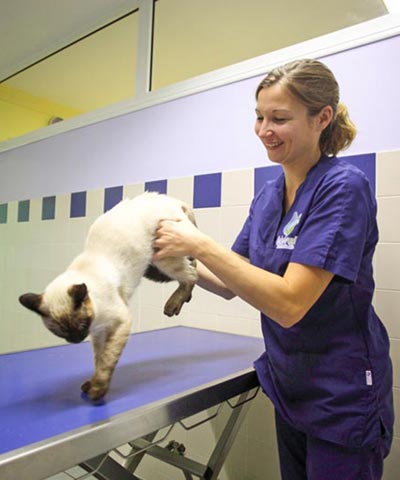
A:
{"x":92,"y":295}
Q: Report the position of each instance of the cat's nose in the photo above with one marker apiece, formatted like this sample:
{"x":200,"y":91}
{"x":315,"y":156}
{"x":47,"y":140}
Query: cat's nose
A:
{"x":75,"y":337}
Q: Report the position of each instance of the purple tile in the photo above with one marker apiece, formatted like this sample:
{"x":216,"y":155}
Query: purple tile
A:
{"x":159,"y":186}
{"x":207,"y":190}
{"x":112,"y":196}
{"x":78,"y":204}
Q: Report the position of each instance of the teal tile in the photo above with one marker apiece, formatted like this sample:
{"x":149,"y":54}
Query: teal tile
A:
{"x":3,"y":212}
{"x":23,"y":211}
{"x":48,"y":208}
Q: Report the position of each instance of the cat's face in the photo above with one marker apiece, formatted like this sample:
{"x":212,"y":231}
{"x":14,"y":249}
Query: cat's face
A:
{"x":65,"y":310}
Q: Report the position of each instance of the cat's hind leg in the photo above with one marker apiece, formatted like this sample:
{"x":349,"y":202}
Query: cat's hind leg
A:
{"x":182,"y":269}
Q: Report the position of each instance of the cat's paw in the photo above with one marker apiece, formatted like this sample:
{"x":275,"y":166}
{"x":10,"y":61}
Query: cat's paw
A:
{"x":97,"y":392}
{"x":85,"y":387}
{"x":173,"y":306}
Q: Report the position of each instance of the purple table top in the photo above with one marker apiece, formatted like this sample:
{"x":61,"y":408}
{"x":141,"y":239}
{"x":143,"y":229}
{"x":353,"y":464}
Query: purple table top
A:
{"x":40,"y":389}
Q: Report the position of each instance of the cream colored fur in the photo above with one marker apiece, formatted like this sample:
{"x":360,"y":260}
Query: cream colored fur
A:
{"x":92,"y":295}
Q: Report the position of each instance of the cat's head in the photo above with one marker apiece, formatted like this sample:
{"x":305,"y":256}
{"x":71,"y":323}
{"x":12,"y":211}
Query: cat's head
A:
{"x":65,"y":308}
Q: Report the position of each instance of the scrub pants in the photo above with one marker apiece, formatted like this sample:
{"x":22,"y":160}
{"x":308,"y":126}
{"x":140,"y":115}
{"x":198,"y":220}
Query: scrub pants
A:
{"x":303,"y":457}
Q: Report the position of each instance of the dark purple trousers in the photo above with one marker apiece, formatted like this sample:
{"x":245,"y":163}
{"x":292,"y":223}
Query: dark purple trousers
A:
{"x":303,"y":457}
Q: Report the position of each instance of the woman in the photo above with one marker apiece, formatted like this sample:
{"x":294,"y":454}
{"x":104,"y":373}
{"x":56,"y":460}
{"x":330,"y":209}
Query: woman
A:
{"x":304,"y":259}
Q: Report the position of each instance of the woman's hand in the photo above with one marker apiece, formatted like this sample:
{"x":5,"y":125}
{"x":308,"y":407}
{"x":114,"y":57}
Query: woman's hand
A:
{"x":177,"y":238}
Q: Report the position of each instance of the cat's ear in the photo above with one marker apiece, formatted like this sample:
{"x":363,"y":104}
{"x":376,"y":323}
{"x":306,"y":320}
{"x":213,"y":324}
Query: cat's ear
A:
{"x":78,"y":293}
{"x":32,"y":301}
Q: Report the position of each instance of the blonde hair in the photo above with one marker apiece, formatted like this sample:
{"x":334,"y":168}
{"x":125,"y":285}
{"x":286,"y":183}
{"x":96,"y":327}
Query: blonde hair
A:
{"x":314,"y":85}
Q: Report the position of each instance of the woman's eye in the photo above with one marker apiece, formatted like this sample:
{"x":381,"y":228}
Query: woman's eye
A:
{"x":279,"y":120}
{"x":259,"y":119}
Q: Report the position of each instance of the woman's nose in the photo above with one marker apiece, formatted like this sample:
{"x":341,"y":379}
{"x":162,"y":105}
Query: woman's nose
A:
{"x":265,"y":130}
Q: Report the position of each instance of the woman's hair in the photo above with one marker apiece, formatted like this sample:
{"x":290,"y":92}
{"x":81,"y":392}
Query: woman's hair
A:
{"x":314,"y":85}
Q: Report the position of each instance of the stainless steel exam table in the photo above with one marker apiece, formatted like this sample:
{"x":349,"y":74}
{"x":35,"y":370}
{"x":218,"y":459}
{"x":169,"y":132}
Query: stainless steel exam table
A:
{"x":163,"y":377}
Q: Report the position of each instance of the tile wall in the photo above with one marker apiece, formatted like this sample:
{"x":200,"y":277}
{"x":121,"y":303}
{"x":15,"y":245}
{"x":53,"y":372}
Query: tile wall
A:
{"x":39,"y":237}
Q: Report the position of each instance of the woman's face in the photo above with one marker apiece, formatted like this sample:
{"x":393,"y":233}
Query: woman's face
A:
{"x":285,"y":128}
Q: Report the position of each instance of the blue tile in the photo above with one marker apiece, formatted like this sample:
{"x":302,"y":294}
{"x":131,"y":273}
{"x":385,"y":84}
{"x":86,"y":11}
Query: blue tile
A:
{"x":78,"y":205}
{"x":159,"y":186}
{"x":207,"y":190}
{"x":366,"y":163}
{"x":48,"y":208}
{"x":264,"y":174}
{"x":23,"y":211}
{"x":112,"y":196}
{"x":3,"y":212}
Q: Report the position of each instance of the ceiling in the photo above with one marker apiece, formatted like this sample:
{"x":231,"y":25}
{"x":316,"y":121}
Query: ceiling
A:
{"x":79,"y":77}
{"x":33,"y":29}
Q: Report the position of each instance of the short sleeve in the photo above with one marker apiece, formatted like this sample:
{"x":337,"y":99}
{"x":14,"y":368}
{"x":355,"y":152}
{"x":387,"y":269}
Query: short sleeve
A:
{"x":338,"y":226}
{"x":241,"y":245}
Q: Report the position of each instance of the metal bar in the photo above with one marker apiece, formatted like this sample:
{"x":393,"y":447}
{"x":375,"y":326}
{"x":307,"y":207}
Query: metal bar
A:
{"x":197,"y":424}
{"x":133,"y":462}
{"x":227,"y":438}
{"x":108,"y":470}
{"x":179,"y":461}
{"x":144,"y":48}
{"x":143,"y":450}
{"x":239,"y":404}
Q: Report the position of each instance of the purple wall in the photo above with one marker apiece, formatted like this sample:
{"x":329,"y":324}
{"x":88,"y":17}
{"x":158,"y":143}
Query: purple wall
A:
{"x":207,"y":132}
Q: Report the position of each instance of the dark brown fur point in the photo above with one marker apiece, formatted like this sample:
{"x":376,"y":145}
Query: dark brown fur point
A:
{"x":153,"y":273}
{"x":32,"y":301}
{"x":75,"y":327}
{"x":78,"y":293}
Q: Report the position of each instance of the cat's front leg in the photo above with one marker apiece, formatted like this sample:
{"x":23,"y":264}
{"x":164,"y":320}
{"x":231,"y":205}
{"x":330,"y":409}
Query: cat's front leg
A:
{"x":107,"y":352}
{"x":98,"y":342}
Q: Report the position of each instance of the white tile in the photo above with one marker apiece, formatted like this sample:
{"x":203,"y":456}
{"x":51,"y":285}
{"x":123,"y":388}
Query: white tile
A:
{"x":387,"y":306}
{"x":131,"y":191}
{"x":206,"y":321}
{"x":388,"y":173}
{"x":76,"y":230}
{"x":232,"y":219}
{"x":387,"y":266}
{"x":237,"y":187}
{"x":209,"y":221}
{"x":181,"y":188}
{"x":35,"y":211}
{"x":94,"y":203}
{"x":395,"y":355}
{"x":153,"y":318}
{"x":205,"y":302}
{"x":239,"y":326}
{"x":392,"y":463}
{"x":12,"y":213}
{"x":388,"y":215}
{"x":151,"y":293}
{"x":63,"y":207}
{"x":396,"y":399}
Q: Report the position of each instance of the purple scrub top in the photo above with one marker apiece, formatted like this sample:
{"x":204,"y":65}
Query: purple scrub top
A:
{"x":329,"y":375}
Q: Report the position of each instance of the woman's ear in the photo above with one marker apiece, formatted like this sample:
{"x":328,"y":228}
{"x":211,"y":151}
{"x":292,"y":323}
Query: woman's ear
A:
{"x":325,"y":117}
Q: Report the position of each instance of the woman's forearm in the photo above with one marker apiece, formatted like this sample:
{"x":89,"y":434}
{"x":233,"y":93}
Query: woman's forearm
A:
{"x":210,"y":282}
{"x":284,"y":299}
